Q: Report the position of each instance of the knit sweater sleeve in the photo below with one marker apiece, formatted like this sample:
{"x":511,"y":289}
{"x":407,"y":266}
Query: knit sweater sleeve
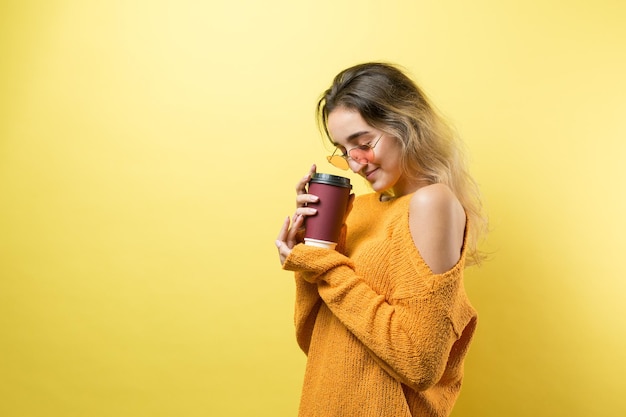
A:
{"x":307,"y":303}
{"x":411,"y":334}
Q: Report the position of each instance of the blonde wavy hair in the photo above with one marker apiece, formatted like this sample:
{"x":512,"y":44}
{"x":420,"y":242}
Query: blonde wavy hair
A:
{"x":389,"y":100}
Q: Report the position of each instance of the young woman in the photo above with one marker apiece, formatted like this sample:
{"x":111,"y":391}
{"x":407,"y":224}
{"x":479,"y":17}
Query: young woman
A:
{"x":384,"y":318}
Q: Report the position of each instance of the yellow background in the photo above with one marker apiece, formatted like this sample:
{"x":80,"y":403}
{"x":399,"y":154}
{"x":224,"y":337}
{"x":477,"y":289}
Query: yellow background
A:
{"x":149,"y":152}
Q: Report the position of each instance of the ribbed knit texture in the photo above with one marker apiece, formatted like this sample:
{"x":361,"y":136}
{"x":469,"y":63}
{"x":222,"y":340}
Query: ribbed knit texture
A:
{"x":384,"y":336}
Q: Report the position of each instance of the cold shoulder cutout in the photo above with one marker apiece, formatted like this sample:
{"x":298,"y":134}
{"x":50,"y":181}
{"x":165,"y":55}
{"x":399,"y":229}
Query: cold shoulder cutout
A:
{"x":437,"y":223}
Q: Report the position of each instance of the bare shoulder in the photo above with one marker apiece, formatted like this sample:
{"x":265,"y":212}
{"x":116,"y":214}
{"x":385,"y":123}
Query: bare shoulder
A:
{"x":434,"y":194}
{"x":437,"y":223}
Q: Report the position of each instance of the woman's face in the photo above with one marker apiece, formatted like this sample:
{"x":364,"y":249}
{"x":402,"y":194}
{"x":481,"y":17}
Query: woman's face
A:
{"x":348,"y":129}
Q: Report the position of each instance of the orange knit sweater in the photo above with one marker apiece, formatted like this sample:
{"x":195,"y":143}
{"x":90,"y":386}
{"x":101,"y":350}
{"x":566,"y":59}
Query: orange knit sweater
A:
{"x":384,"y":336}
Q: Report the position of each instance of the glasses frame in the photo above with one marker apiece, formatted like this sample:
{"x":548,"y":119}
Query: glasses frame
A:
{"x":345,"y":165}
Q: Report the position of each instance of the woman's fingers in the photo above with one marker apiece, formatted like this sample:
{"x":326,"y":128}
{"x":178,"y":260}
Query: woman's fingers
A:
{"x":297,"y":223}
{"x":284,"y":230}
{"x":304,"y":199}
{"x":306,"y":211}
{"x":301,"y":186}
{"x":292,"y":228}
{"x":281,"y":241}
{"x":287,"y":237}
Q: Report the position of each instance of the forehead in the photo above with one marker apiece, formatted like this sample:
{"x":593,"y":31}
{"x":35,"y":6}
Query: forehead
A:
{"x":345,"y":125}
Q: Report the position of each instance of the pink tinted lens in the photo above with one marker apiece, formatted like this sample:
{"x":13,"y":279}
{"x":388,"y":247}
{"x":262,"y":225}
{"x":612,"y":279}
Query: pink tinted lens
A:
{"x":362,"y":154}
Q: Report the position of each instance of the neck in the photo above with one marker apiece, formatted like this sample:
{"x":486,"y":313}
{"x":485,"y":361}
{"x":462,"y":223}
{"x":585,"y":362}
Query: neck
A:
{"x":407,"y":187}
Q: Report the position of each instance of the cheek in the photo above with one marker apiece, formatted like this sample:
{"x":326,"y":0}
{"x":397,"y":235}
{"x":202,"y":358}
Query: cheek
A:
{"x":390,"y":155}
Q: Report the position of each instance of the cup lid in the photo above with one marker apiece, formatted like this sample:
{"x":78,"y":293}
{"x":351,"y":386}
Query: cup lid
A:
{"x":330,"y":179}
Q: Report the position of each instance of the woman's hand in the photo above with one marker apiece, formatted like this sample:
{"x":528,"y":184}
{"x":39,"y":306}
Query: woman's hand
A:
{"x":286,"y":239}
{"x":303,"y":198}
{"x":292,"y":231}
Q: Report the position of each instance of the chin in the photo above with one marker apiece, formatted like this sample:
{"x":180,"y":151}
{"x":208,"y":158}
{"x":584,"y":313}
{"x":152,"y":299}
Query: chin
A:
{"x":379,"y":187}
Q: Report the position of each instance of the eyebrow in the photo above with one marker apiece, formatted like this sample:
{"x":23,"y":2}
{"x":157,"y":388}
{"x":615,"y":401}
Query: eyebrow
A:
{"x":354,"y":136}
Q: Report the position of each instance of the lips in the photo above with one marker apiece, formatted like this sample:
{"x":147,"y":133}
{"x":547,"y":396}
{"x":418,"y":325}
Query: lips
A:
{"x":369,"y":174}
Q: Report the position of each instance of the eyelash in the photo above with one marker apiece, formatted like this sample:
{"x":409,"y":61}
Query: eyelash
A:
{"x":366,"y":145}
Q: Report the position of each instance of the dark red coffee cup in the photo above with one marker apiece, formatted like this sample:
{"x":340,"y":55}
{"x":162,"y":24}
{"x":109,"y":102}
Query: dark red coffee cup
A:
{"x":323,"y":228}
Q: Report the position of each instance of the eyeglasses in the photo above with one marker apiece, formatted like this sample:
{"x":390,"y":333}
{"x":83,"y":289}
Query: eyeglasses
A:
{"x":362,"y":154}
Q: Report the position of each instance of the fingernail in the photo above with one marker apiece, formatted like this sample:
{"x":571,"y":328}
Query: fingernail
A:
{"x":278,"y":243}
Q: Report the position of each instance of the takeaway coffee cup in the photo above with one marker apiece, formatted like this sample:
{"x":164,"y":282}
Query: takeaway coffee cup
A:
{"x":323,"y":228}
